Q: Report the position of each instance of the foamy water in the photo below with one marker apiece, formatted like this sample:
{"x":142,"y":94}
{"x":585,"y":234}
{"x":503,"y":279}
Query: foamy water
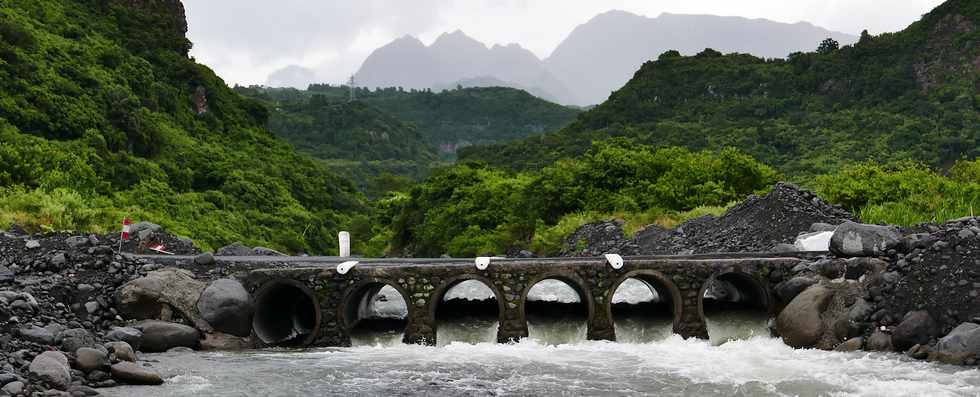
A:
{"x":556,"y":360}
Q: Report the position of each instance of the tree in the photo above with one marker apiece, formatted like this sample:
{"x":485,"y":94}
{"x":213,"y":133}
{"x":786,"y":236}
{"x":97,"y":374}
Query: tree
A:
{"x":827,"y":46}
{"x":865,"y":36}
{"x":669,"y":54}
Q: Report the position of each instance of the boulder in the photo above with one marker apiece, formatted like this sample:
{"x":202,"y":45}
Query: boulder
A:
{"x":965,"y":338}
{"x":88,"y":359}
{"x":879,"y":342}
{"x":51,"y":367}
{"x":822,"y":227}
{"x":857,"y":239}
{"x":224,"y":342}
{"x":234,"y":249}
{"x":160,"y":336}
{"x":144,"y":229}
{"x":41,"y":336}
{"x":76,"y":338}
{"x":860,"y":311}
{"x":131,"y":373}
{"x":800,"y":324}
{"x":205,"y":259}
{"x":148,"y":297}
{"x":227,"y":306}
{"x":816,"y":241}
{"x":122,"y":350}
{"x":850,"y":345}
{"x":14,"y":388}
{"x":917,"y":328}
{"x":857,"y":267}
{"x":132,"y":336}
{"x":789,"y":289}
{"x":81,"y":391}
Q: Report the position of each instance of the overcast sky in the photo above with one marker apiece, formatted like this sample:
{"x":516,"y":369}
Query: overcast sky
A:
{"x":245,"y":40}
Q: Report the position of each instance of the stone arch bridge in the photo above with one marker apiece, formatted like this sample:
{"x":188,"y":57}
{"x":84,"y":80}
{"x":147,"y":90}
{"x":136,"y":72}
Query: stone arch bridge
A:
{"x":308,"y":302}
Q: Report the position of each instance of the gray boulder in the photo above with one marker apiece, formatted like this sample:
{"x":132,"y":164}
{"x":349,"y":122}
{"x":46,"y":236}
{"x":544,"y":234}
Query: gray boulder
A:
{"x":789,"y":289}
{"x":263,"y":251}
{"x":160,"y":336}
{"x":131,"y":336}
{"x":6,"y":275}
{"x":144,"y":229}
{"x":857,"y":239}
{"x":131,"y":373}
{"x":227,"y":306}
{"x":800,"y":323}
{"x":37,"y":335}
{"x":121,"y":350}
{"x":76,"y":338}
{"x":14,"y":388}
{"x":917,"y":328}
{"x":879,"y":342}
{"x":860,"y":311}
{"x":965,"y":338}
{"x":88,"y":359}
{"x":234,"y":249}
{"x":205,"y":259}
{"x":146,"y":297}
{"x":51,"y":367}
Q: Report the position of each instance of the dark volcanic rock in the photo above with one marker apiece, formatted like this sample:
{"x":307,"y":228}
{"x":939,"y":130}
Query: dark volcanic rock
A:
{"x":227,"y":306}
{"x":132,"y":373}
{"x":160,"y":336}
{"x":800,"y":323}
{"x":917,"y":328}
{"x":757,"y":224}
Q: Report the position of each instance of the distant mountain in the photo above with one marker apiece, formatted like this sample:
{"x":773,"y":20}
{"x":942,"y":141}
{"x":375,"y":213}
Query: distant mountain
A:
{"x":905,"y":96}
{"x":597,"y":58}
{"x":455,"y":58}
{"x":601,"y":55}
{"x":291,"y":76}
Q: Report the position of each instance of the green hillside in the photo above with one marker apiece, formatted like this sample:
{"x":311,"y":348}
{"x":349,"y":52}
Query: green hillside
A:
{"x":912,"y":95}
{"x":446,"y":120}
{"x":103,"y":115}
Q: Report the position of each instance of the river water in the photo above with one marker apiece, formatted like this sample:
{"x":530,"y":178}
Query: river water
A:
{"x":739,"y":360}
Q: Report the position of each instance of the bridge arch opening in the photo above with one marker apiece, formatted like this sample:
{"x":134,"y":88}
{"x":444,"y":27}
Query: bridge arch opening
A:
{"x":376,"y":313}
{"x":287,"y":314}
{"x":735,"y":306}
{"x":467,"y":310}
{"x":557,"y":311}
{"x":644,"y":307}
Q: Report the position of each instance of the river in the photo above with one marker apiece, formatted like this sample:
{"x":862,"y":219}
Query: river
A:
{"x":739,"y":360}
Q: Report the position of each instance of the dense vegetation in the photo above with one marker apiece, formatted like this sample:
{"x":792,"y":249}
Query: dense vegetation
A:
{"x":912,"y":95}
{"x":103,"y":115}
{"x":473,"y":209}
{"x":446,"y":120}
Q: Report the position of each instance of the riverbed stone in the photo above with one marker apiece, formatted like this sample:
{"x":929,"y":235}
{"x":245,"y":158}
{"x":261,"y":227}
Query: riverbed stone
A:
{"x":14,"y":388}
{"x":88,"y":359}
{"x":879,"y":341}
{"x":160,"y":336}
{"x":130,"y":335}
{"x":37,"y":335}
{"x":76,"y":338}
{"x":850,"y":345}
{"x":132,"y":373}
{"x":227,"y":306}
{"x":789,"y":289}
{"x":800,"y":323}
{"x":121,"y":350}
{"x":965,"y":338}
{"x":52,"y":368}
{"x":917,"y":328}
{"x":853,"y":239}
{"x":224,"y":342}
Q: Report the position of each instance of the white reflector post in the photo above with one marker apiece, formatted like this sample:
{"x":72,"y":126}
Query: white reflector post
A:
{"x":344,"y":238}
{"x":615,"y":261}
{"x":482,"y":262}
{"x":345,"y":267}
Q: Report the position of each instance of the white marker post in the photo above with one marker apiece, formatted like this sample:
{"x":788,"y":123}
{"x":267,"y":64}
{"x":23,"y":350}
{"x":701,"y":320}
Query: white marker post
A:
{"x":345,"y":267}
{"x":344,"y":238}
{"x":482,"y":262}
{"x":615,"y":261}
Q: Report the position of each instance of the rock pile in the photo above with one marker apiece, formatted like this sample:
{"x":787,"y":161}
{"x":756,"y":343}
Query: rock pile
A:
{"x":70,"y":307}
{"x":757,"y":224}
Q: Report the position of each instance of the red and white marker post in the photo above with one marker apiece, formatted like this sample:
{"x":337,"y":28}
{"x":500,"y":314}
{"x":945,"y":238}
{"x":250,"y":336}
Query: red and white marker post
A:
{"x":124,"y":236}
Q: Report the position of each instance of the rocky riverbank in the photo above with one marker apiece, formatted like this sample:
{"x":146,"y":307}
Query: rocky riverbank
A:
{"x":75,"y":314}
{"x":880,"y":288}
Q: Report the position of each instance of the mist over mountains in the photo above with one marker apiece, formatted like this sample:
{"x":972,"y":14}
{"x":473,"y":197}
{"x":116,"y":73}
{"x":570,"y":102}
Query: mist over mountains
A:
{"x":596,"y":58}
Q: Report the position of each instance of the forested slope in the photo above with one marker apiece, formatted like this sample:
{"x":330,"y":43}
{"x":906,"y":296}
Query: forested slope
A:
{"x":104,"y":115}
